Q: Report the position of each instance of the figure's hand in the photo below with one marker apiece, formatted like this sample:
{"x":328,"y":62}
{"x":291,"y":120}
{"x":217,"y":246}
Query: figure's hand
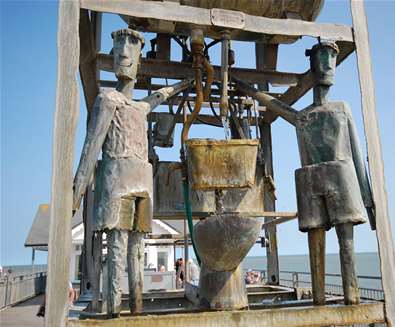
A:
{"x":76,"y":198}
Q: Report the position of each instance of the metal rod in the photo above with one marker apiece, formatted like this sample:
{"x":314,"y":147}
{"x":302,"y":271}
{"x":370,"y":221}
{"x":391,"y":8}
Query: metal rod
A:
{"x":224,"y":74}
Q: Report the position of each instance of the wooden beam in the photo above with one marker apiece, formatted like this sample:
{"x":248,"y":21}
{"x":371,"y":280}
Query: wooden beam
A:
{"x":143,"y":85}
{"x":201,"y":119}
{"x":306,"y":82}
{"x":87,"y":64}
{"x":375,"y":158}
{"x":277,"y":221}
{"x":266,"y":58}
{"x":165,"y":237}
{"x":200,"y":215}
{"x":162,"y":11}
{"x":178,"y":70}
{"x":97,"y":23}
{"x":291,"y":317}
{"x":65,"y":123}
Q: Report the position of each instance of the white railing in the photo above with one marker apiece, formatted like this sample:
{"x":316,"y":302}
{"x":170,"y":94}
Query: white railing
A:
{"x":15,"y":289}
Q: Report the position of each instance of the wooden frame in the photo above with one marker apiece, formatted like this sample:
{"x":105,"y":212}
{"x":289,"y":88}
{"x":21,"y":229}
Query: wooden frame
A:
{"x":65,"y":123}
{"x":174,"y":12}
{"x":76,"y":41}
{"x":290,"y":317}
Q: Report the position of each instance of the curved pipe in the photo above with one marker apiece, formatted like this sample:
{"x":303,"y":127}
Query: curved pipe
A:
{"x":199,"y":62}
{"x":198,"y":104}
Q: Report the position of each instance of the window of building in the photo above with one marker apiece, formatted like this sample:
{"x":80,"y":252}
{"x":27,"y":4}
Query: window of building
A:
{"x":162,"y":259}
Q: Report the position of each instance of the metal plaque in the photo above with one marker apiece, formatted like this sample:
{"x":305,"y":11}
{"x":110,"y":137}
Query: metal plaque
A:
{"x":227,"y":18}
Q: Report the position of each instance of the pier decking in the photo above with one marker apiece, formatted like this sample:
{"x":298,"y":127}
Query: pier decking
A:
{"x":23,"y":314}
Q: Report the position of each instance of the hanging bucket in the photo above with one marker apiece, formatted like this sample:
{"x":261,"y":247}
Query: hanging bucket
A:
{"x":221,"y":164}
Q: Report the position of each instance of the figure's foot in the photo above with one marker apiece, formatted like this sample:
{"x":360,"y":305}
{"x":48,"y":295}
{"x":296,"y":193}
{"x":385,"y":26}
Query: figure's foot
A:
{"x":41,"y":312}
{"x":114,"y":315}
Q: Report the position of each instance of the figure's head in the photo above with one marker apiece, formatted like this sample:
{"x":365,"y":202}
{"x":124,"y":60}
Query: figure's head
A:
{"x":126,"y":50}
{"x":323,"y":62}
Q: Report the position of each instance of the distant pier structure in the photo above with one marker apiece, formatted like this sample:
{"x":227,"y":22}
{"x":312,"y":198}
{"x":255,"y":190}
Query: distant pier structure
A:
{"x":267,"y":24}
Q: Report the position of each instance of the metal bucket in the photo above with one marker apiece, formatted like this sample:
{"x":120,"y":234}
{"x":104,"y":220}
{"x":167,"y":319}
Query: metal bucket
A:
{"x":221,"y":164}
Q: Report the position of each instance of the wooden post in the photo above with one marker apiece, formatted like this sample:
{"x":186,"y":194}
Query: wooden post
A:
{"x":92,"y":251}
{"x":266,"y":57}
{"x":163,"y":46}
{"x":87,"y":60}
{"x":86,"y":255}
{"x":65,"y":121}
{"x":375,"y":158}
{"x":96,"y":270}
{"x":90,"y":41}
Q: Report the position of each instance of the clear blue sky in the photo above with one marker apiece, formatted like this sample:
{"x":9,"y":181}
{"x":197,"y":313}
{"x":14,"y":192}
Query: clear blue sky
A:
{"x":28,"y":74}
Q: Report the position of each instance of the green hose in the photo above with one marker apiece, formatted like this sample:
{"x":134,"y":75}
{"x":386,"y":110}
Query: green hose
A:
{"x":188,"y":211}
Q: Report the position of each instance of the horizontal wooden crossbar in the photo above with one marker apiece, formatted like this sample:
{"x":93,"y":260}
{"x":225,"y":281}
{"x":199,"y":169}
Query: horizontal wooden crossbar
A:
{"x":291,"y":317}
{"x":199,"y":215}
{"x":167,"y":11}
{"x":153,"y":68}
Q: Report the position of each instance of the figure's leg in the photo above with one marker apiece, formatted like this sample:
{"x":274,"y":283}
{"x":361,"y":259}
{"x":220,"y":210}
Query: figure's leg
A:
{"x":345,"y":235}
{"x":316,"y":238}
{"x":116,"y":247}
{"x":136,"y":270}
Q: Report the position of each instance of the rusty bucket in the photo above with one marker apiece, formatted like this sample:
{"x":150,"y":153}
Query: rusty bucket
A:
{"x":221,"y":164}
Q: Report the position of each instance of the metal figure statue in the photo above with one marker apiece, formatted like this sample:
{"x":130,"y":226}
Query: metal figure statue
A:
{"x":332,"y":186}
{"x":118,"y":127}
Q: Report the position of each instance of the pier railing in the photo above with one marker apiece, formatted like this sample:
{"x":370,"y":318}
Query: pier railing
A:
{"x":15,"y":289}
{"x":369,"y":286}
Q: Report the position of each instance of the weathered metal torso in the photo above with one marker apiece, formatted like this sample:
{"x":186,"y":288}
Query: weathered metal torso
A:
{"x":329,"y":171}
{"x":127,"y":135}
{"x":323,"y":133}
{"x":124,"y":171}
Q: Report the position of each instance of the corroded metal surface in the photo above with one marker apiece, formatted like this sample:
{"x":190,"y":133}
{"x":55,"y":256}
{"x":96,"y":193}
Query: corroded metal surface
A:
{"x":168,"y":197}
{"x":222,"y":290}
{"x":221,"y":164}
{"x":223,"y":241}
{"x":335,"y":184}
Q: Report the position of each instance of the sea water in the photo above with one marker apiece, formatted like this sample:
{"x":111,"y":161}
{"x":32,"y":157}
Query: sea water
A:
{"x":367,"y":264}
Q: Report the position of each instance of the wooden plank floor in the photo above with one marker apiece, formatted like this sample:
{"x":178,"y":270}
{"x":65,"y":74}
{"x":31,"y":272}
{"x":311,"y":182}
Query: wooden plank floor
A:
{"x":23,"y":314}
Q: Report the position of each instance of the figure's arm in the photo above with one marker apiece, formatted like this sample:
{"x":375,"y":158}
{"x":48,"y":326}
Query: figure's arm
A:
{"x":161,"y":95}
{"x":274,"y":105}
{"x":361,"y":171}
{"x":99,"y":123}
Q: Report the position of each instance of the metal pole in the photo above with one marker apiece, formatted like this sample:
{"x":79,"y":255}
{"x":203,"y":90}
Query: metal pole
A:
{"x":33,"y":257}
